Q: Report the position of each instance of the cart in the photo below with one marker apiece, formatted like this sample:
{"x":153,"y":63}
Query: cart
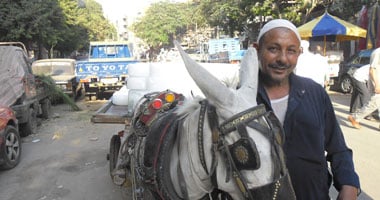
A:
{"x":127,"y":151}
{"x":111,"y":113}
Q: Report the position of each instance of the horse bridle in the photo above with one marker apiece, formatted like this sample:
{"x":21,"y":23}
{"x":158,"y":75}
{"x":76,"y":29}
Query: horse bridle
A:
{"x":241,"y":155}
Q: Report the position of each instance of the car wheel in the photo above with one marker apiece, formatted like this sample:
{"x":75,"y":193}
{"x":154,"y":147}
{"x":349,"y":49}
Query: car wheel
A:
{"x":30,"y":127}
{"x":346,"y":84}
{"x":11,"y":151}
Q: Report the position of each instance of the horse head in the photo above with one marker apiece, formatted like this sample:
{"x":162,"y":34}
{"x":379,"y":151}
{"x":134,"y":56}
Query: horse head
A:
{"x":233,"y":149}
{"x":228,"y":100}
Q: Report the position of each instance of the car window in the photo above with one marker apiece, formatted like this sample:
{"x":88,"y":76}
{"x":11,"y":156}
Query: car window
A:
{"x":364,"y":60}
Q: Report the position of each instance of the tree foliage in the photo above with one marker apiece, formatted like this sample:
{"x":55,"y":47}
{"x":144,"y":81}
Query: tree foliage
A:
{"x":74,"y":34}
{"x":28,"y":21}
{"x":228,"y":16}
{"x":348,"y":9}
{"x":53,"y":24}
{"x":91,"y":17}
{"x":164,"y":21}
{"x":65,"y":26}
{"x":247,"y":16}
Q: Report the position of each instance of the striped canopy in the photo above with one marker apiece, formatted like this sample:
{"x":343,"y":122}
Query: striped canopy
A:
{"x":330,"y":28}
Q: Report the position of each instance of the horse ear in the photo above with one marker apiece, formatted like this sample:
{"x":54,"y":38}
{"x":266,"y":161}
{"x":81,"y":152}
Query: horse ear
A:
{"x":211,"y":87}
{"x":249,"y":71}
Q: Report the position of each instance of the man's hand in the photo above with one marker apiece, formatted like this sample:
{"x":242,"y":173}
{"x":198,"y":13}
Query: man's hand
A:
{"x":377,"y":89}
{"x":348,"y":192}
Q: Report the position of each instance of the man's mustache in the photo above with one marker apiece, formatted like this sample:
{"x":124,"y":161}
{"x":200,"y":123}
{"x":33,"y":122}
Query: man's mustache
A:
{"x":279,"y":66}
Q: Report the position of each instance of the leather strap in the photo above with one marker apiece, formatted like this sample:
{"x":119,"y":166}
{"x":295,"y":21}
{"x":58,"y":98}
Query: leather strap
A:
{"x":201,"y":120}
{"x":215,"y":136}
{"x":242,"y":118}
{"x":236,"y":175}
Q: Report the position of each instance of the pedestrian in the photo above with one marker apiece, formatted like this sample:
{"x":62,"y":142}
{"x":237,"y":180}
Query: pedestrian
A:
{"x":360,"y":92}
{"x":313,"y":137}
{"x":374,"y":102}
{"x":312,"y":65}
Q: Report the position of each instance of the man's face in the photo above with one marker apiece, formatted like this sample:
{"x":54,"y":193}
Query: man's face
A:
{"x":278,"y":52}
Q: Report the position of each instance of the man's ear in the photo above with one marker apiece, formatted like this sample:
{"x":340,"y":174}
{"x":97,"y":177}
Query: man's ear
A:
{"x":256,"y":46}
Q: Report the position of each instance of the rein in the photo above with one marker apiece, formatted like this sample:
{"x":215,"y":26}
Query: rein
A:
{"x":243,"y":154}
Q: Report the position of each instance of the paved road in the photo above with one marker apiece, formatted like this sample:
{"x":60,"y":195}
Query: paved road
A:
{"x":66,"y":160}
{"x":365,"y":144}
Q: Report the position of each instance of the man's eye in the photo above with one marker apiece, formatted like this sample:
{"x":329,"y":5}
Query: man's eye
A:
{"x":292,"y":51}
{"x":273,"y":49}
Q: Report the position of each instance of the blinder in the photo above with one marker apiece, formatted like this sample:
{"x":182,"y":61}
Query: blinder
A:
{"x":244,"y":154}
{"x":244,"y":151}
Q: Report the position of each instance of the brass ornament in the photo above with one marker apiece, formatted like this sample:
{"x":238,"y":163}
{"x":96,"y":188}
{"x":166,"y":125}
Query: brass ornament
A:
{"x":241,"y":154}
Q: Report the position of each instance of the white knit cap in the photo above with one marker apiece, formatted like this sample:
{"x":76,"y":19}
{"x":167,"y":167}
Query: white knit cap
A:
{"x":276,"y":23}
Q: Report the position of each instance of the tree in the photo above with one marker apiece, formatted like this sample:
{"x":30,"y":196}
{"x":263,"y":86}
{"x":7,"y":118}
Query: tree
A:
{"x":91,"y":17}
{"x":83,"y":23}
{"x":348,"y":9}
{"x":53,"y":24}
{"x":73,"y":34}
{"x":65,"y":26}
{"x":31,"y":21}
{"x":247,"y":16}
{"x":227,"y":16}
{"x":164,"y":21}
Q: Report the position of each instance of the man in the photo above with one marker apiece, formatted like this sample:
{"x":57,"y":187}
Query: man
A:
{"x":360,"y":92}
{"x":374,"y":102}
{"x":307,"y":115}
{"x":312,"y":65}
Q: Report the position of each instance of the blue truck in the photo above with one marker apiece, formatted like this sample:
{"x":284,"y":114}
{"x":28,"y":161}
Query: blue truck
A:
{"x":106,"y":69}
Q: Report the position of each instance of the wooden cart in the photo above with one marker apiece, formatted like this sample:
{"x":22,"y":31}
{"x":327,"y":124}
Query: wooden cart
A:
{"x":112,"y":114}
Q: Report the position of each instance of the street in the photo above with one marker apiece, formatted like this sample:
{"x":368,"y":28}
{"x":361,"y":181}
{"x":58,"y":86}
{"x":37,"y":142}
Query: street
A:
{"x":365,"y":145}
{"x":66,"y":160}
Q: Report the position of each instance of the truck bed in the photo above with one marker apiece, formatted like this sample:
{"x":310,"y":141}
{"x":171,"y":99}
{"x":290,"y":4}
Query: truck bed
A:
{"x":112,"y":114}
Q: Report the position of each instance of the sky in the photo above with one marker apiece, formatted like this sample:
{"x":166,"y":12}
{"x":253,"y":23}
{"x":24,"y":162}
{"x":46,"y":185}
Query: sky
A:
{"x":116,"y":9}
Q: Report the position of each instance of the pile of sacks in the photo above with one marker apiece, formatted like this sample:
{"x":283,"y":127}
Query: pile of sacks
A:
{"x":151,"y":77}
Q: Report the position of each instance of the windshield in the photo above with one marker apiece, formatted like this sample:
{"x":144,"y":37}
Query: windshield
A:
{"x":53,"y":68}
{"x":62,"y":68}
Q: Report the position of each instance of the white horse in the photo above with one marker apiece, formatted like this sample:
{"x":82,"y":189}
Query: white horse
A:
{"x":224,"y":143}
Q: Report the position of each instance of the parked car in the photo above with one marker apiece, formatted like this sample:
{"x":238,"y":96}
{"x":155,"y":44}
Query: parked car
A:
{"x":62,"y":71}
{"x":10,"y":142}
{"x":346,"y":69}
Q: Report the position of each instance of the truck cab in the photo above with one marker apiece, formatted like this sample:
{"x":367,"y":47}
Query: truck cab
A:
{"x":106,"y":69}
